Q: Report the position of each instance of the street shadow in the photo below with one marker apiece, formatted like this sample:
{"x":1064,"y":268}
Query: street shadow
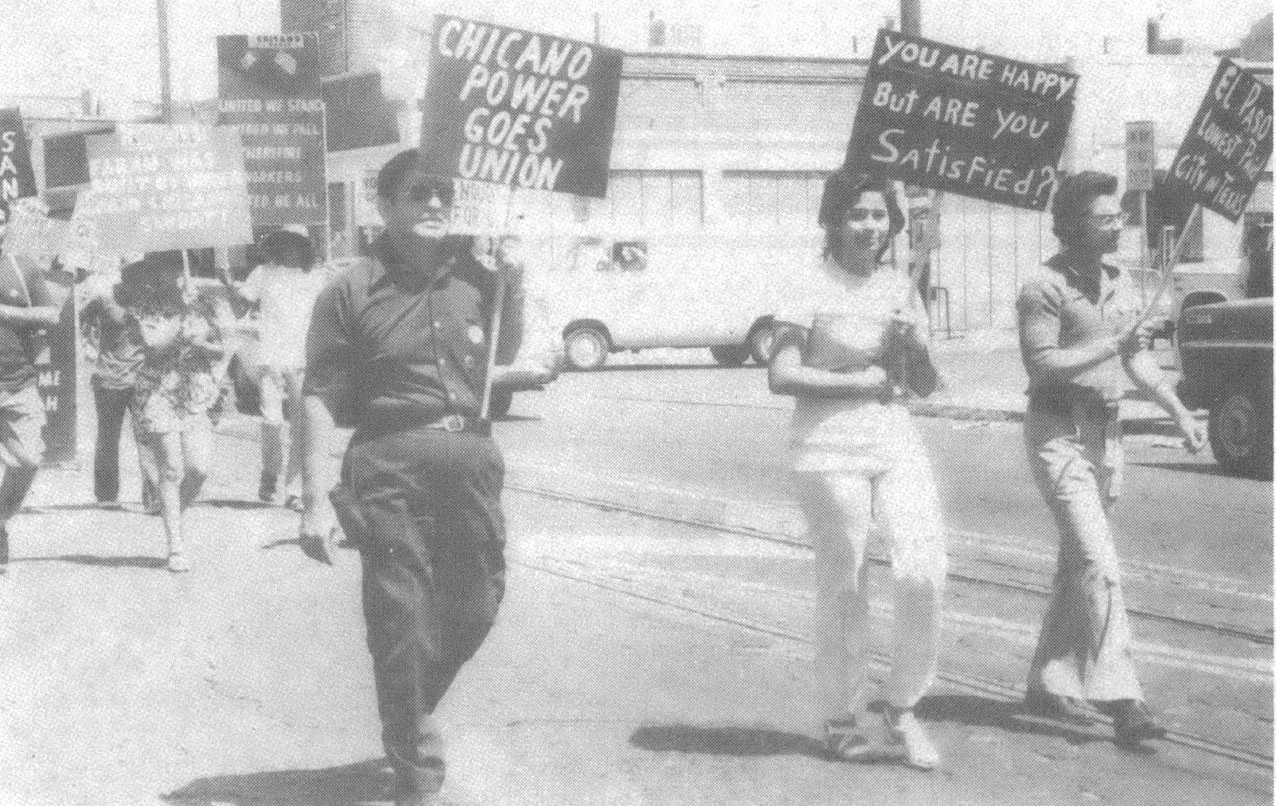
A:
{"x":973,"y":710}
{"x":726,"y":740}
{"x":517,"y":418}
{"x":1200,"y":468}
{"x":366,"y":782}
{"x":295,"y":542}
{"x":656,"y":367}
{"x":1154,"y":428}
{"x":103,"y":562}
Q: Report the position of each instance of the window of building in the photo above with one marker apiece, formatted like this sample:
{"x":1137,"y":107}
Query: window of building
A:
{"x":788,"y":199}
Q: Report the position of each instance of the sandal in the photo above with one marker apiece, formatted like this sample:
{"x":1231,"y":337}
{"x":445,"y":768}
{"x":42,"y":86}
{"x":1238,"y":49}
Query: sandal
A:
{"x":177,"y":563}
{"x":906,"y":735}
{"x":844,"y":741}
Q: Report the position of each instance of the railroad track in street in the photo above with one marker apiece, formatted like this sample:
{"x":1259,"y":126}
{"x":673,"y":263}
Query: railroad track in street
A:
{"x":643,"y":590}
{"x":1156,"y":573}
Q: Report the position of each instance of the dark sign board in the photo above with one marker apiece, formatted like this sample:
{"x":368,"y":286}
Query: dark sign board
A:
{"x":16,"y":177}
{"x":1226,"y":150}
{"x":269,"y":91}
{"x":155,"y":187}
{"x":518,"y":108}
{"x":55,"y":381}
{"x":963,"y":121}
{"x":357,"y":114}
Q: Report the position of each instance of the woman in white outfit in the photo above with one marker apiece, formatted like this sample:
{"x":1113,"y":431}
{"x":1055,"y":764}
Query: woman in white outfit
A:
{"x":860,"y":463}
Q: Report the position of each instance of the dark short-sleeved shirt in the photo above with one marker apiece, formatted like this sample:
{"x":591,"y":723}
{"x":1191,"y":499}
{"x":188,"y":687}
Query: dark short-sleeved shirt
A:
{"x":16,"y":348}
{"x":387,"y":345}
{"x":120,"y":350}
{"x":1060,"y":309}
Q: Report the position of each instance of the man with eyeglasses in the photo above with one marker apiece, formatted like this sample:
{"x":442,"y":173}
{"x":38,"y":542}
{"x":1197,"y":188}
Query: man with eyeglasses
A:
{"x":397,"y":350}
{"x":1079,"y":334}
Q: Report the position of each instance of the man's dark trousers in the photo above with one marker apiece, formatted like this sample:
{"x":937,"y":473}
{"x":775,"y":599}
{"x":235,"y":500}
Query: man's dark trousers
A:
{"x":433,"y":565}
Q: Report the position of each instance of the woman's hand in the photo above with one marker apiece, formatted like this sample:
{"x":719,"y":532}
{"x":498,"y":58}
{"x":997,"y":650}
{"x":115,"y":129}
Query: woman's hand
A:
{"x":904,"y":330}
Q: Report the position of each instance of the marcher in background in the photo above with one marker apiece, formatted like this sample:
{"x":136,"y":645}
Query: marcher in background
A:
{"x":285,"y":287}
{"x":26,"y":307}
{"x":398,"y":350}
{"x":859,"y":461}
{"x":1080,"y":336}
{"x":176,"y":385}
{"x":119,"y":357}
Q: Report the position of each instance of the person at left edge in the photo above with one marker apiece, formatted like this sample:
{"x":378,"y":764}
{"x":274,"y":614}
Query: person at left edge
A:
{"x":397,"y":349}
{"x":25,"y":307}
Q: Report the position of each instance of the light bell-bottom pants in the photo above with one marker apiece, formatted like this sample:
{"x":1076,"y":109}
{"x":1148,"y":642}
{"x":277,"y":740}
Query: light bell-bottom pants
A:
{"x":1084,"y":648}
{"x":841,"y":509}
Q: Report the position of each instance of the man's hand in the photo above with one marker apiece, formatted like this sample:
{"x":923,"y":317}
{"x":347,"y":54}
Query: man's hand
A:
{"x":318,"y":537}
{"x":1138,"y":336}
{"x":1194,"y":434}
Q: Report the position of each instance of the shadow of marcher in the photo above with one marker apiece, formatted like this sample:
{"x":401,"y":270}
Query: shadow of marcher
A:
{"x":725,"y":740}
{"x":974,"y":710}
{"x":364,"y":783}
{"x":106,"y":562}
{"x":233,"y":503}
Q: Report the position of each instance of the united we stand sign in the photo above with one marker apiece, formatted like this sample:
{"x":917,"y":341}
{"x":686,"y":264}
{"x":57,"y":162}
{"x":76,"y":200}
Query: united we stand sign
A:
{"x":519,"y":109}
{"x":962,"y":121}
{"x":269,"y":91}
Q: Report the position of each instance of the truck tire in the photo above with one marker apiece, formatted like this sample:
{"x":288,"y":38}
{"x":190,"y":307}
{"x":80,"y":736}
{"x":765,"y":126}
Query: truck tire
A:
{"x":1240,"y":430}
{"x":730,"y":355}
{"x":500,"y":403}
{"x":762,"y":344}
{"x":586,"y":348}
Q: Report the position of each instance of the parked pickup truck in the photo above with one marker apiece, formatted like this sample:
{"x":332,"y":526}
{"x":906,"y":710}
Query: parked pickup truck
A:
{"x":1225,"y":351}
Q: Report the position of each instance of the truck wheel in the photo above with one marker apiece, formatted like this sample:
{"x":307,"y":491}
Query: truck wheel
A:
{"x":730,"y":355}
{"x":586,"y":348}
{"x":762,"y":344}
{"x":1241,"y":434}
{"x":500,"y":403}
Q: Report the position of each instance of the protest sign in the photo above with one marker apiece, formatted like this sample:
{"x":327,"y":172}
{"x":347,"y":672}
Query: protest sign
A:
{"x":963,"y":121}
{"x":32,"y":233}
{"x":269,"y":91}
{"x":517,"y":108}
{"x":16,"y":177}
{"x":161,"y":187}
{"x":56,"y":382}
{"x":1227,"y":148}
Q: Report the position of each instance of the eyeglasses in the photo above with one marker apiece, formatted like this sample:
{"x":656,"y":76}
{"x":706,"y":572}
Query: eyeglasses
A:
{"x":1110,"y":219}
{"x":427,"y":189}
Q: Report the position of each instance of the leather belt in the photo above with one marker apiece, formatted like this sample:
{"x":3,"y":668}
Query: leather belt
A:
{"x":456,"y":423}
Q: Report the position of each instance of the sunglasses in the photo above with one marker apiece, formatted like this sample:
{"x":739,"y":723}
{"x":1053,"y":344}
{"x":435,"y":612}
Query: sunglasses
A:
{"x":427,"y":189}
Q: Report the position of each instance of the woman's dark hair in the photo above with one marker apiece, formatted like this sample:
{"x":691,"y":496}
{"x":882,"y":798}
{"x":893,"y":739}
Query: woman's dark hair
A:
{"x":842,"y":191}
{"x":1073,"y":198}
{"x":285,"y":248}
{"x":152,"y":285}
{"x":390,"y":177}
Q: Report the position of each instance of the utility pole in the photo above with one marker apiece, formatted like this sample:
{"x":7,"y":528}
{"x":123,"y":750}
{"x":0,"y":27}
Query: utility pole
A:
{"x":166,"y":72}
{"x":910,"y":17}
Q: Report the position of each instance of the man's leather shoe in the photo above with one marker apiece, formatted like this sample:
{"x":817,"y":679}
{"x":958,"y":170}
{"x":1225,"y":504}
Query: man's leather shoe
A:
{"x":417,"y":778}
{"x":1054,"y":706}
{"x":1132,"y":722}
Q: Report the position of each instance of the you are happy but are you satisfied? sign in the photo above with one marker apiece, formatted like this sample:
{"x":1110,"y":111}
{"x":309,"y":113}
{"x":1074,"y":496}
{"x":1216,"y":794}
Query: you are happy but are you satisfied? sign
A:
{"x":962,"y":121}
{"x":519,"y":109}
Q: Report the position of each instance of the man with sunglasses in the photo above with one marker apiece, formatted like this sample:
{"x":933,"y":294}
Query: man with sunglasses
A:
{"x":1080,"y":334}
{"x":397,"y":349}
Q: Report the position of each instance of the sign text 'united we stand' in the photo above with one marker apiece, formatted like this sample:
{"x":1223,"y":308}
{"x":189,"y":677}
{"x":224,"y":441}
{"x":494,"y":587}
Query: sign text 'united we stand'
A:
{"x":517,"y":108}
{"x":1226,"y":150}
{"x":156,"y":187}
{"x":17,"y":181}
{"x":269,"y":91}
{"x":963,"y":121}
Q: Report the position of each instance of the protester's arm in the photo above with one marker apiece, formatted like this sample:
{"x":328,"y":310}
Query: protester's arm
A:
{"x":1146,"y":372}
{"x":41,"y":312}
{"x":787,"y":375}
{"x":242,"y":295}
{"x":1039,"y":307}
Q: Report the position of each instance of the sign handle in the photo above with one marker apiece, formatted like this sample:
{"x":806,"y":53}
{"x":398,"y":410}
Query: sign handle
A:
{"x":494,"y":330}
{"x":1167,"y":268}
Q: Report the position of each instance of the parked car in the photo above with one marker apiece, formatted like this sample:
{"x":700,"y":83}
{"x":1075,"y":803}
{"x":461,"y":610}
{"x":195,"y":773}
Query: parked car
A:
{"x":611,"y":294}
{"x":1225,"y":352}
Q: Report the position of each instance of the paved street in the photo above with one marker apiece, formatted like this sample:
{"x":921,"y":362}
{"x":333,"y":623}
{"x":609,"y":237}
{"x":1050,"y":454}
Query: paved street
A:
{"x":653,"y":648}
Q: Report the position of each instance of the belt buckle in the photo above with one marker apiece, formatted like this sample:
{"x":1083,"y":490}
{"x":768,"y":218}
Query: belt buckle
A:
{"x":453,"y":423}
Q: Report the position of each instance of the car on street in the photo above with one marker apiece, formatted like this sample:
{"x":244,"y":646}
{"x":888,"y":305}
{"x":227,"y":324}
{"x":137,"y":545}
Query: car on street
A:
{"x":1225,"y":353}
